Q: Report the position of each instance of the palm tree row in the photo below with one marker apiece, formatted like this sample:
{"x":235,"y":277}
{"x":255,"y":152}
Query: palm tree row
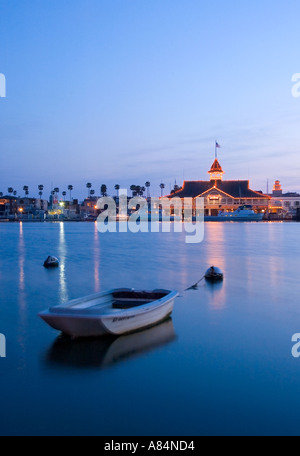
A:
{"x":137,"y":190}
{"x":91,"y":192}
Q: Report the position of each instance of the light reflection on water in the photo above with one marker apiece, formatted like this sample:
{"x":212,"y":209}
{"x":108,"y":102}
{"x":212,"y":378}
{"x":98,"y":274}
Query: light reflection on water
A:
{"x":21,"y":294}
{"x":62,"y":258}
{"x":217,"y":257}
{"x":96,"y":259}
{"x":21,"y":264}
{"x":227,"y":347}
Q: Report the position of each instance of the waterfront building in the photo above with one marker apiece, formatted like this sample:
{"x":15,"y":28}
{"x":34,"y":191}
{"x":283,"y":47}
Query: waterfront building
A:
{"x":220,"y":195}
{"x":63,"y":210}
{"x":283,"y":205}
{"x":88,"y":208}
{"x":13,"y":207}
{"x":8,"y":206}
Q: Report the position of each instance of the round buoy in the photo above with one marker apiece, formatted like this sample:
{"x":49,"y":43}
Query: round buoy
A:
{"x":214,"y":274}
{"x":51,"y":262}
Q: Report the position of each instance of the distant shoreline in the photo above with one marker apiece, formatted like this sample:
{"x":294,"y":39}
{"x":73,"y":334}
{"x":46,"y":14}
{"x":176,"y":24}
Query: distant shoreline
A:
{"x":5,"y":221}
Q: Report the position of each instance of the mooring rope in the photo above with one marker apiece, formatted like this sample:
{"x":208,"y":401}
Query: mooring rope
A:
{"x":215,"y":275}
{"x":195,"y":286}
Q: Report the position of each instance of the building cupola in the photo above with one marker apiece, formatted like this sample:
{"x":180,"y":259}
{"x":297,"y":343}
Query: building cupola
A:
{"x":216,"y":172}
{"x":277,"y":190}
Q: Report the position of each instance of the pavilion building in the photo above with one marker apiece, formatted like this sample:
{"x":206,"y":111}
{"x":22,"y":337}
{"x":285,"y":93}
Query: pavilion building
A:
{"x":220,"y":195}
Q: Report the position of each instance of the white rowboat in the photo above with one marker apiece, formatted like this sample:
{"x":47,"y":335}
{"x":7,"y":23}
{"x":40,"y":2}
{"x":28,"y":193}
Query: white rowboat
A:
{"x":117,"y":311}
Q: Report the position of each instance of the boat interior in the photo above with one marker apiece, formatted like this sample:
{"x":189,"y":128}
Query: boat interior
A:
{"x":128,"y":299}
{"x":117,"y":299}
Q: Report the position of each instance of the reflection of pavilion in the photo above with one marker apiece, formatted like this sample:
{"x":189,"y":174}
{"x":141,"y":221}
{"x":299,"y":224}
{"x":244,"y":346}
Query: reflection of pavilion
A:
{"x":222,"y":194}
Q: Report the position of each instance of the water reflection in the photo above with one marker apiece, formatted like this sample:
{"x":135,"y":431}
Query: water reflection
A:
{"x":216,"y":256}
{"x":217,"y":294}
{"x":21,"y":294}
{"x":274,"y":262}
{"x":108,"y":351}
{"x":96,"y":259}
{"x":62,"y":249}
{"x":21,"y":260}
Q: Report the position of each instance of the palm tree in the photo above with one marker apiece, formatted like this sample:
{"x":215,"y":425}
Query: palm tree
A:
{"x":15,"y":193}
{"x":64,"y":195}
{"x":147,"y":185}
{"x":103,"y":190}
{"x":117,"y":187}
{"x":26,"y":189}
{"x":70,"y":188}
{"x":10,"y":190}
{"x":56,"y":191}
{"x":139,"y":191}
{"x":89,"y":186}
{"x":92,"y":192}
{"x":162,"y":186}
{"x":175,"y":188}
{"x":41,"y":188}
{"x":133,"y":189}
{"x":1,"y":194}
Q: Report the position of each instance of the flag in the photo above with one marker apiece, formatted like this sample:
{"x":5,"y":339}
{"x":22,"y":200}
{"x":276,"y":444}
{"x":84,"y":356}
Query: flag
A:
{"x":218,"y":145}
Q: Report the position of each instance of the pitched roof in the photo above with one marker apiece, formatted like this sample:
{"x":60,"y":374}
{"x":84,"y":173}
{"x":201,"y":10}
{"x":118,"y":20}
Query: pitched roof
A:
{"x":233,"y":188}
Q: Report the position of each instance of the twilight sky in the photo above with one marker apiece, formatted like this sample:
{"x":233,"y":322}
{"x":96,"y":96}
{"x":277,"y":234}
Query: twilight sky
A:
{"x":125,"y":91}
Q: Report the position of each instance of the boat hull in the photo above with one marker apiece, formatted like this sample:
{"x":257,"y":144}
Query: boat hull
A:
{"x":115,"y":323}
{"x":218,"y":218}
{"x":244,"y":213}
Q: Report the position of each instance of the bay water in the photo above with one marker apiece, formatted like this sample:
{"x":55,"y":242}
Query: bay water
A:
{"x":222,"y":365}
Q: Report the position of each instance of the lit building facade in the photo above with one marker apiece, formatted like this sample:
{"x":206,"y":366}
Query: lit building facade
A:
{"x":16,"y":207}
{"x":284,"y":205}
{"x":220,"y":195}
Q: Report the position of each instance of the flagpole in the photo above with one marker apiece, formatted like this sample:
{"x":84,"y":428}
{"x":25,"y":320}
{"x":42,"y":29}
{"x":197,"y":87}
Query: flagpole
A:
{"x":217,"y":146}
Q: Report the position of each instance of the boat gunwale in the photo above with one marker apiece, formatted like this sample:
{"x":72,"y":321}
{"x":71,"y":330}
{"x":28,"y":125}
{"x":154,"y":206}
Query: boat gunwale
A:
{"x":110,"y":312}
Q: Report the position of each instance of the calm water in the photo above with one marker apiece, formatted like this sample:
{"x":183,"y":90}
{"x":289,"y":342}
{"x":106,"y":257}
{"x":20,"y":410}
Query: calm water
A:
{"x":221,"y":365}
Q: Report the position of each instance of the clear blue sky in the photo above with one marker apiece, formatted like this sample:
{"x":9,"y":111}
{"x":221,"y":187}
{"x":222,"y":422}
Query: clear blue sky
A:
{"x":124,"y":91}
